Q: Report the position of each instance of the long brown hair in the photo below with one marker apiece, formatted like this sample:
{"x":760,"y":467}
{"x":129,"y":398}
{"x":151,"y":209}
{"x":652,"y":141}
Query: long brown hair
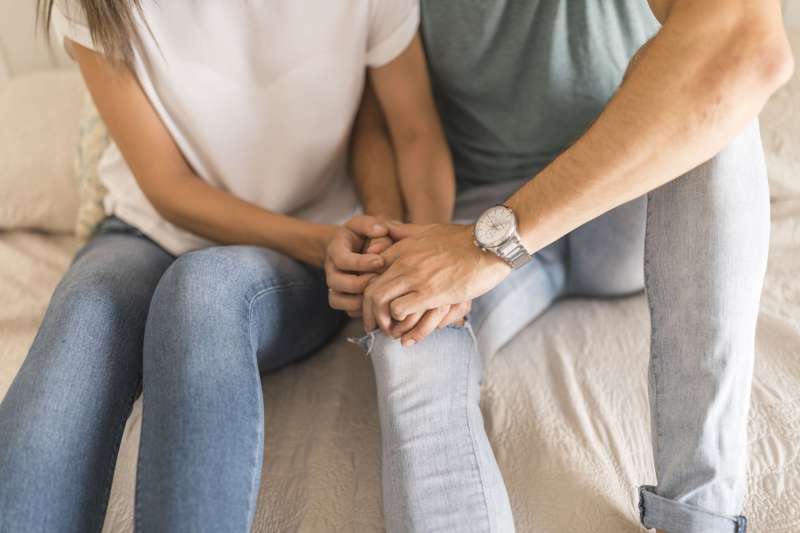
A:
{"x":112,"y":24}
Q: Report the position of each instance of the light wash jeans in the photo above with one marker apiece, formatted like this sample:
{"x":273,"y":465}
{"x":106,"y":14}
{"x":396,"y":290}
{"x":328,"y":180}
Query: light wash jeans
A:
{"x":198,"y":330}
{"x":703,"y":242}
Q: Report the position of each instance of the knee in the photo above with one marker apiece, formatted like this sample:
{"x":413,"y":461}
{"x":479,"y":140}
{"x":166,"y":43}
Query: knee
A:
{"x":195,"y":284}
{"x":198,"y":316}
{"x":427,"y":383}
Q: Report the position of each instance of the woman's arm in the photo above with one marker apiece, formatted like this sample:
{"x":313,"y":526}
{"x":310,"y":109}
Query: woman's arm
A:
{"x":166,"y":179}
{"x":372,"y":161}
{"x":424,"y":166}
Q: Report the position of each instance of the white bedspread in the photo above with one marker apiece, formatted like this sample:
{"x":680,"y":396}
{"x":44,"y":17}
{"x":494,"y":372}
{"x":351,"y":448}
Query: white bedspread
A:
{"x":565,"y":405}
{"x":565,"y":402}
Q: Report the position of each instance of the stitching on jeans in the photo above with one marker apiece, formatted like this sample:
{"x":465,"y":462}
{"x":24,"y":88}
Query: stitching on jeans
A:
{"x":263,"y":292}
{"x":653,"y":359}
{"x":256,"y":472}
{"x":470,"y":431}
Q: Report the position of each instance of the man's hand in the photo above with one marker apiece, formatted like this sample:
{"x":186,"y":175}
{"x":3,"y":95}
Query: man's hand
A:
{"x":430,"y":267}
{"x":347,"y":269}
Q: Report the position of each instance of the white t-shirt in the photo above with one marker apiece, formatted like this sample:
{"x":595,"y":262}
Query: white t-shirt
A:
{"x":259,"y":96}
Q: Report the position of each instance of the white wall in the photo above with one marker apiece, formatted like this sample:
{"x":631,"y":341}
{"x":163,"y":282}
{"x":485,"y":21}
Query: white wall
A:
{"x":22,"y":47}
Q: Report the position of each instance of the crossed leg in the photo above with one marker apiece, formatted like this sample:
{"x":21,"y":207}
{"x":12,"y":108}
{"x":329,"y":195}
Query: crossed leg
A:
{"x":706,"y":246}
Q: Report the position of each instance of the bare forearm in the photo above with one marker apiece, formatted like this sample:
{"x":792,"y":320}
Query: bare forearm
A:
{"x":410,"y":179}
{"x":372,"y":162}
{"x":691,"y":90}
{"x":221,"y":217}
{"x":427,"y":181}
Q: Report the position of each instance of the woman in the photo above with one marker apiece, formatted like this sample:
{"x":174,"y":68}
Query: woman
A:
{"x":226,"y":180}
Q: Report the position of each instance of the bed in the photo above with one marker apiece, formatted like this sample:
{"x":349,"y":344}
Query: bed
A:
{"x":565,"y":401}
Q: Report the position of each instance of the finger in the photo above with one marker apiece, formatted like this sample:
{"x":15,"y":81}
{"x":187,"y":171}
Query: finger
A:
{"x":405,"y":325}
{"x":367,"y":316}
{"x":344,"y":302}
{"x":383,"y":299}
{"x":354,"y":262}
{"x":367,"y":226}
{"x":426,"y":325}
{"x":456,"y":315}
{"x":379,"y":245}
{"x":354,"y":314}
{"x":414,"y":302}
{"x":403,"y":231}
{"x":393,"y":253}
{"x":380,"y":294}
{"x":348,"y":283}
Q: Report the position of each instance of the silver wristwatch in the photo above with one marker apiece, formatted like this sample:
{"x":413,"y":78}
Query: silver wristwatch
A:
{"x":496,"y":232}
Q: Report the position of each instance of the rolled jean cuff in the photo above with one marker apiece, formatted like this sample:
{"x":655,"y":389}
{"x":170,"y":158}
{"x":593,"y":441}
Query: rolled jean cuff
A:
{"x":657,"y":512}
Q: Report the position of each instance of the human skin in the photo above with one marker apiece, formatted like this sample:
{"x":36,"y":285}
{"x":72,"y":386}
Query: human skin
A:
{"x":402,"y":170}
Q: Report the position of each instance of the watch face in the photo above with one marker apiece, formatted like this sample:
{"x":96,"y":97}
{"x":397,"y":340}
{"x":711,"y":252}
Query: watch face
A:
{"x":495,"y":226}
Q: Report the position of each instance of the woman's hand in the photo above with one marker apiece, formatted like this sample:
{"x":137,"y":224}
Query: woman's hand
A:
{"x":429,"y":267}
{"x":417,"y":326}
{"x":348,"y":270}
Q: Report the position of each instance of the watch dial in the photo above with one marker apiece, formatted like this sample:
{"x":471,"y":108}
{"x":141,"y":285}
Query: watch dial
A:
{"x":495,"y":226}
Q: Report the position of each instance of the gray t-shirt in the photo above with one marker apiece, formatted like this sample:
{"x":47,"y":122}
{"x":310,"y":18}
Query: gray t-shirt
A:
{"x":517,"y":81}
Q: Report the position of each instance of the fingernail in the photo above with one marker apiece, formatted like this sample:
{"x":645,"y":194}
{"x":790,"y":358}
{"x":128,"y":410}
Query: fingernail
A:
{"x":409,"y":342}
{"x":377,"y":228}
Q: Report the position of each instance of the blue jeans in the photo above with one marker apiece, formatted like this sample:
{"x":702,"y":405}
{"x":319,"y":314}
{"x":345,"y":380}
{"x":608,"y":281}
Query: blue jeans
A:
{"x":196,"y":332}
{"x":702,"y":240}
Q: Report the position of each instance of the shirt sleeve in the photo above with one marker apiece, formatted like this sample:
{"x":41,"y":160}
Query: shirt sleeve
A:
{"x":68,"y":21}
{"x":393,"y":24}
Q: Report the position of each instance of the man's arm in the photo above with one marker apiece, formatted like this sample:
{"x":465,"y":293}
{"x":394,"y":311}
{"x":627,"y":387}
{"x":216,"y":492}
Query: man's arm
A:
{"x":696,"y":84}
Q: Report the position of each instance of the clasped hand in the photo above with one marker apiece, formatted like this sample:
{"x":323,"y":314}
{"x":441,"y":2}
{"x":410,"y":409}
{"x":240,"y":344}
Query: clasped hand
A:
{"x":406,"y":279}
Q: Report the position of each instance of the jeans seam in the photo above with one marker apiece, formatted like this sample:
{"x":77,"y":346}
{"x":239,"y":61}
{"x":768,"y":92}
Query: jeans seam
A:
{"x":256,"y":473}
{"x":470,"y":431}
{"x":656,"y":431}
{"x":263,"y":292}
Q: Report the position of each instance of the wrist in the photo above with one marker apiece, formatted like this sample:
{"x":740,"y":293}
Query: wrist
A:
{"x":310,"y":242}
{"x":322,"y":236}
{"x":487,"y":261}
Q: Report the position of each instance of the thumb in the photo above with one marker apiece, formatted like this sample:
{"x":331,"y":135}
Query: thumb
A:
{"x":367,"y":226}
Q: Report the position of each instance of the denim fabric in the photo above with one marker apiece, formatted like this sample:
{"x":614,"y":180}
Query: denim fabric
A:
{"x":703,"y":242}
{"x":197,"y":330}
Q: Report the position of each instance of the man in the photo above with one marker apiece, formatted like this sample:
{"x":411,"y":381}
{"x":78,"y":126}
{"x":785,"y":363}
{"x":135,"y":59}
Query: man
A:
{"x":670,"y":156}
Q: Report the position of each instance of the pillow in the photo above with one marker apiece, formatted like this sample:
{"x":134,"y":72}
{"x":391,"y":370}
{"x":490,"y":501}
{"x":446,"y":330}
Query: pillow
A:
{"x":93,"y":142}
{"x":39,"y":116}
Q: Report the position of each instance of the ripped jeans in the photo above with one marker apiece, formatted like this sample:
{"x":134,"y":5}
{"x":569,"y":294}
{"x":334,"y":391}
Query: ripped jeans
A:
{"x":703,"y":242}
